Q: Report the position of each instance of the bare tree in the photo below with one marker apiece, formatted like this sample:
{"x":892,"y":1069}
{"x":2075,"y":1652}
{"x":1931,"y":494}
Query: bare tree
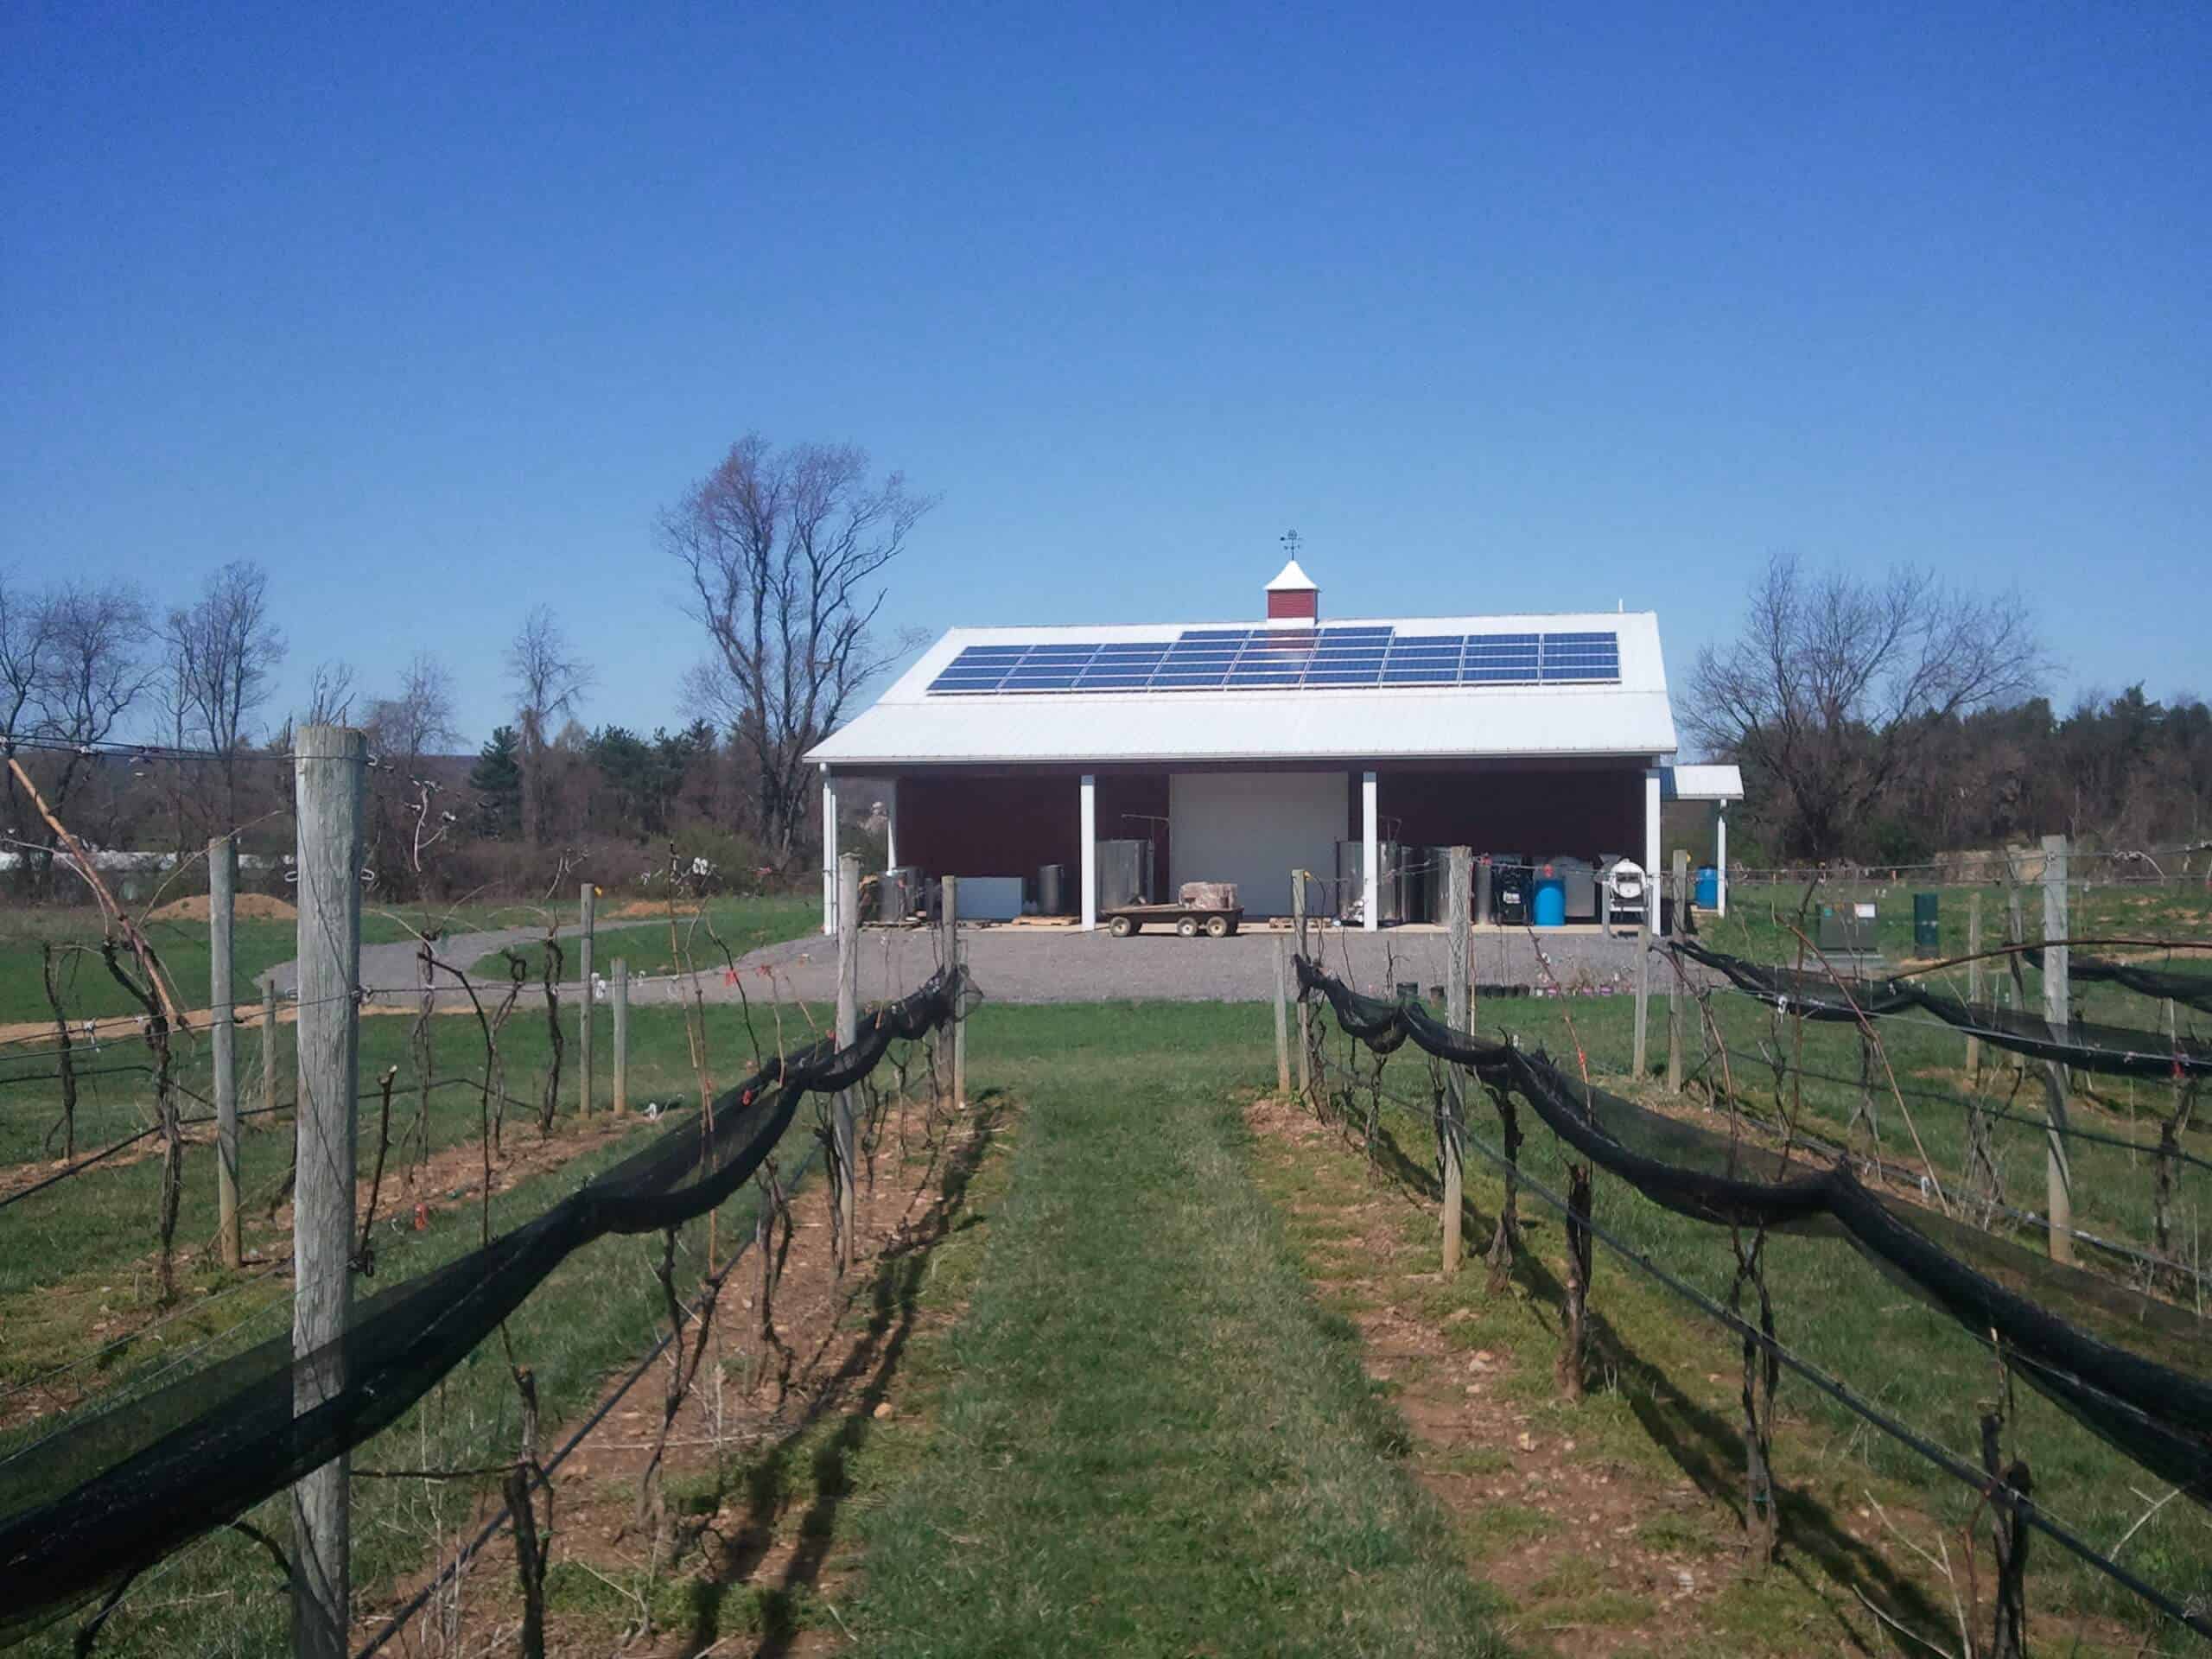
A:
{"x":91,"y":669}
{"x":419,"y":719}
{"x":782,"y":548}
{"x":26,"y":620}
{"x":1838,"y":681}
{"x":549,"y":683}
{"x":222,"y":650}
{"x":330,"y":694}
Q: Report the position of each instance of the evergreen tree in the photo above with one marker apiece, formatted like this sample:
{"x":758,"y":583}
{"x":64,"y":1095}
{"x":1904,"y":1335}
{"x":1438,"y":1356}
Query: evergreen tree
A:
{"x":497,"y":779}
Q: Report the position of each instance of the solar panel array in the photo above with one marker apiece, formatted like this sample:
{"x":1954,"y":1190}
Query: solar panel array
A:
{"x":1330,"y":659}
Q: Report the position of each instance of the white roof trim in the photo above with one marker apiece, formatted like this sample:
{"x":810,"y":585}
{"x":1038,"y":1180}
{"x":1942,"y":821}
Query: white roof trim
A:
{"x":906,"y":727}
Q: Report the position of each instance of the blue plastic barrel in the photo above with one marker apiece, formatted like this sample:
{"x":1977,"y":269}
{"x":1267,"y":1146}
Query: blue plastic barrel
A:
{"x":1548,"y":897}
{"x":1708,"y":888}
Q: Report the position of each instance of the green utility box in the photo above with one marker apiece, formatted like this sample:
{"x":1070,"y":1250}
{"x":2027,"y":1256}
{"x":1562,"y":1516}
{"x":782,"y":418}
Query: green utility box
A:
{"x":1927,"y":925}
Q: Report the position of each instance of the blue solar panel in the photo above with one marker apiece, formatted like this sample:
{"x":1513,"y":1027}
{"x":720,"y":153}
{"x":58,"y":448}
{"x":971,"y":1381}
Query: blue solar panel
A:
{"x":1326,"y":659}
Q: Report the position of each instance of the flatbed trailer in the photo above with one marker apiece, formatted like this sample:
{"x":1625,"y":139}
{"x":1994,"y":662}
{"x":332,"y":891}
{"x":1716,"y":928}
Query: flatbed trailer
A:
{"x":1189,"y":920}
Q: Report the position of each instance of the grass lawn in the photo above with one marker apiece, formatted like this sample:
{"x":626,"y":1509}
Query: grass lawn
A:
{"x":1156,"y":1442}
{"x":742,"y":924}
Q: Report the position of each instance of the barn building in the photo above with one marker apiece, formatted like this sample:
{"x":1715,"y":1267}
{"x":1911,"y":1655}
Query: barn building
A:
{"x":1239,"y":752}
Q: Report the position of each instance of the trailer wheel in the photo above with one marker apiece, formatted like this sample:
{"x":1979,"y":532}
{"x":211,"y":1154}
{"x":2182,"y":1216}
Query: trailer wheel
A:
{"x":1122,"y":926}
{"x":1217,"y":927}
{"x":1188,"y":927}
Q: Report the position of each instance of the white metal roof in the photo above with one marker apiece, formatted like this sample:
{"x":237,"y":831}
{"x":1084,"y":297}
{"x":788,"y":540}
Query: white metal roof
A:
{"x":908,"y":727}
{"x":1293,"y":579}
{"x":1702,"y":783}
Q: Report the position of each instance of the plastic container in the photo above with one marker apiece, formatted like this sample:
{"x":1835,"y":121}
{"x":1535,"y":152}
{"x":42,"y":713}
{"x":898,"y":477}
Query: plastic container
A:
{"x":1708,"y":888}
{"x":1927,"y":924}
{"x":1548,"y":897}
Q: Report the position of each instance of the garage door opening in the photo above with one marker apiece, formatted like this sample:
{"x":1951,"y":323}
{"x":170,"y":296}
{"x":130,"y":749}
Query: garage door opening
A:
{"x":1254,"y":828}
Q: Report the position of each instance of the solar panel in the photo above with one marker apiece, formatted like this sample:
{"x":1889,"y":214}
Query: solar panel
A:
{"x":1329,"y":658}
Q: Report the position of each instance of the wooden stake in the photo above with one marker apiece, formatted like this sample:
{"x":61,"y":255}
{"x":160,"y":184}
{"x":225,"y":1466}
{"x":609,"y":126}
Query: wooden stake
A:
{"x":328,"y":771}
{"x":587,"y":910}
{"x":956,"y":954}
{"x":1973,"y":978}
{"x":1642,"y":1065}
{"x":849,"y":1030}
{"x":621,"y":1036}
{"x":268,"y":1042}
{"x":1458,"y":879}
{"x":1282,"y":1017}
{"x":1304,"y":1008}
{"x":222,"y":883}
{"x":2058,"y":1178}
{"x":1679,"y":880}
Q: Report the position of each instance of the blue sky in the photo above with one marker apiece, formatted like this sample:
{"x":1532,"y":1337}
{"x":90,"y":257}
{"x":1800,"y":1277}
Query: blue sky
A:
{"x":432,"y":309}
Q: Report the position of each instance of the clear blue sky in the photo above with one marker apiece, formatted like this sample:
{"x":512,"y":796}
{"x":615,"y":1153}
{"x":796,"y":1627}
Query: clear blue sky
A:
{"x":431,"y":309}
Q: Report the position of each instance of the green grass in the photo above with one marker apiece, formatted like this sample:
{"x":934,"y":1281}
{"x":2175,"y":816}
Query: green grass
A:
{"x":1156,"y":1442}
{"x":743,"y":924}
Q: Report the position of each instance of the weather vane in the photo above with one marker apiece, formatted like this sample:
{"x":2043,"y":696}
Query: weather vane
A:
{"x":1290,"y":543}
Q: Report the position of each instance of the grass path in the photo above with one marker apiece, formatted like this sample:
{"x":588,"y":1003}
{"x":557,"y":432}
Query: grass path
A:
{"x":1156,"y":1442}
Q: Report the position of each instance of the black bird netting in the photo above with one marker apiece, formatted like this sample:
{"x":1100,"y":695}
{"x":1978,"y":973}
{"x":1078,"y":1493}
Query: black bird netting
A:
{"x":2193,"y":990}
{"x":83,"y":1510}
{"x":2110,"y":1051}
{"x":2132,"y":1368}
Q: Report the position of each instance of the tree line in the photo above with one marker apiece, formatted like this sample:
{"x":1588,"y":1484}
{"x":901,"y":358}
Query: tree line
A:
{"x":782,"y":552}
{"x":1887,"y":718}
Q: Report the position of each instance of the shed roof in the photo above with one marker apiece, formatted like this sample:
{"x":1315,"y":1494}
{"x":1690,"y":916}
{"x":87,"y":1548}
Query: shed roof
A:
{"x":909,"y":726}
{"x":1702,"y":783}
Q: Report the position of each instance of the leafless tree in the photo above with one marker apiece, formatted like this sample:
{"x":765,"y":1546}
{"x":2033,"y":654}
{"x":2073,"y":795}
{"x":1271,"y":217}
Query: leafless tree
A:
{"x":419,"y":719}
{"x":222,"y":651}
{"x":330,"y":694}
{"x":1838,"y":681}
{"x":549,"y":681}
{"x":782,"y":548}
{"x":26,"y":618}
{"x":93,"y":668}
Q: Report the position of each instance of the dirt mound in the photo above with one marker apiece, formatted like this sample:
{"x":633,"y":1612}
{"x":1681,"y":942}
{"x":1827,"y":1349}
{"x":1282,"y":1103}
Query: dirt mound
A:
{"x":647,"y":910}
{"x":245,"y":906}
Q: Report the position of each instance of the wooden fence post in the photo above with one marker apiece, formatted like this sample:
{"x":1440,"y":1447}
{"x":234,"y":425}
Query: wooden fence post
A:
{"x":622,"y":1035}
{"x":587,"y":913}
{"x":222,"y":886}
{"x":328,"y":772}
{"x":957,"y":954}
{"x":1680,"y":881}
{"x":1304,"y":1008}
{"x":1461,"y":900}
{"x":1282,"y":1017}
{"x":269,"y":1041}
{"x":1973,"y":978}
{"x":1642,"y":1065}
{"x":849,"y":1031}
{"x":2058,"y":1178}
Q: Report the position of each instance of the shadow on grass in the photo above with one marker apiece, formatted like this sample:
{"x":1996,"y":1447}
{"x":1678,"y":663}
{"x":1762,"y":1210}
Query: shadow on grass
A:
{"x":1706,"y":1447}
{"x":847,"y":1398}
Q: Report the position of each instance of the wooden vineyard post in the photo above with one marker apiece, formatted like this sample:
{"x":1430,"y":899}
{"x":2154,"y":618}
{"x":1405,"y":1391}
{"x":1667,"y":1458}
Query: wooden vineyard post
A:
{"x":1282,"y":1018}
{"x":1973,"y":978}
{"x":956,"y":1040}
{"x":1642,"y":1060}
{"x":2058,"y":1179}
{"x":1679,"y":881}
{"x":622,"y":1035}
{"x":268,"y":1042}
{"x":328,"y":771}
{"x":222,"y":886}
{"x":587,"y":915}
{"x":1304,"y":1008}
{"x":1578,"y":1280}
{"x":849,"y":1031}
{"x":1461,"y":902}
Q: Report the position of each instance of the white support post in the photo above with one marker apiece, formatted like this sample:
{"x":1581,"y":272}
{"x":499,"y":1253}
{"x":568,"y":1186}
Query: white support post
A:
{"x":891,"y":825}
{"x":829,"y":852}
{"x":1088,"y":829}
{"x":1370,"y":851}
{"x":1720,"y":858}
{"x":1651,"y":841}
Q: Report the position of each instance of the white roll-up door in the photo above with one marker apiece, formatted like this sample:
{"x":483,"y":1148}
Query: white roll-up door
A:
{"x":1254,"y":828}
